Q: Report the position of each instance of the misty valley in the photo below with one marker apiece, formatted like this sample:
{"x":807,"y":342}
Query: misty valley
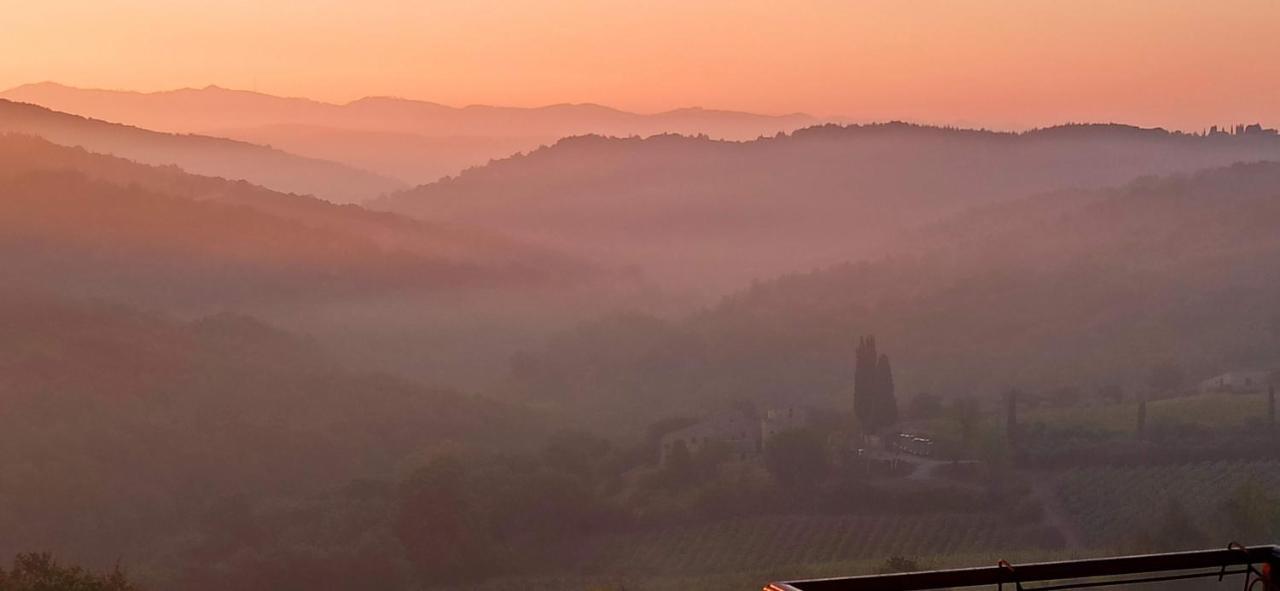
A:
{"x":264,"y":343}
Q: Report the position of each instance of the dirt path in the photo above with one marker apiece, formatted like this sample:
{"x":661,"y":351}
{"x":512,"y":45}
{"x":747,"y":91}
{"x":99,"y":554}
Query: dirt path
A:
{"x":1054,"y":513}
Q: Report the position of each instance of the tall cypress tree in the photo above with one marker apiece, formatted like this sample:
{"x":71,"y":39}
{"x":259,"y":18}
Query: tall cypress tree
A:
{"x":874,"y":403}
{"x":864,"y":383}
{"x":887,"y":402}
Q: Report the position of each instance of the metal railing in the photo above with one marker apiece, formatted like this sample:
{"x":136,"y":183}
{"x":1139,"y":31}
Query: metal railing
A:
{"x":1258,"y":564}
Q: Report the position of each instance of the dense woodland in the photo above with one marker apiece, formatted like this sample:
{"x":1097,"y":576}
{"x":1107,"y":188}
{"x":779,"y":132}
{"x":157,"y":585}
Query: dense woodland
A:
{"x":1102,"y":289}
{"x":707,"y":217}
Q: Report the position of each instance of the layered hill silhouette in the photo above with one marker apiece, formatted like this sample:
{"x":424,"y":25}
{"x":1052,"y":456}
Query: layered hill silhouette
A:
{"x":198,"y":154}
{"x":1073,"y":290}
{"x":414,"y":140}
{"x":701,"y":212}
{"x":160,"y":429}
{"x":98,"y":225}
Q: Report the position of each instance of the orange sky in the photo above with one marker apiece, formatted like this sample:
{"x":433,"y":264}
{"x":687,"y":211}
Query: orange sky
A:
{"x":1184,"y":64}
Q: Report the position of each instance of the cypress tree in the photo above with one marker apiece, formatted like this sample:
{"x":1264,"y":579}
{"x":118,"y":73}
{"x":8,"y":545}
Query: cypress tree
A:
{"x":887,"y":402}
{"x":874,"y":403}
{"x":864,"y":394}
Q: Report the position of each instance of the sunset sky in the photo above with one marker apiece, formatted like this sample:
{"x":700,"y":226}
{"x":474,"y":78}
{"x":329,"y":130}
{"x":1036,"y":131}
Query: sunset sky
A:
{"x":1014,"y":63}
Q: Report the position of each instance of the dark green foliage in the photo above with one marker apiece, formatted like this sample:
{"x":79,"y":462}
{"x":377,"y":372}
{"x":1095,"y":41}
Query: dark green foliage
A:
{"x":924,"y":406}
{"x":966,"y":412}
{"x":888,"y":400}
{"x":797,"y":458}
{"x":898,"y":564}
{"x":40,"y":572}
{"x":462,"y":520}
{"x":1181,"y":268}
{"x":175,"y":436}
{"x":578,"y":453}
{"x":440,"y":525}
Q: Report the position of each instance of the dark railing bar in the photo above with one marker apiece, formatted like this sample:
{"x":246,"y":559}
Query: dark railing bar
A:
{"x":1161,"y":579}
{"x":1044,"y":571}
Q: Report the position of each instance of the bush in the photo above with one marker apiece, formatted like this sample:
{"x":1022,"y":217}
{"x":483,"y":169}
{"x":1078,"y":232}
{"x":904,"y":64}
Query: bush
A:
{"x":898,"y":564}
{"x":40,"y":572}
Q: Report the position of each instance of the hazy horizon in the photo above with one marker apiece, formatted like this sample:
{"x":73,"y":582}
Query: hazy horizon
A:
{"x":1221,"y":122}
{"x":595,"y":295}
{"x":1000,"y":64}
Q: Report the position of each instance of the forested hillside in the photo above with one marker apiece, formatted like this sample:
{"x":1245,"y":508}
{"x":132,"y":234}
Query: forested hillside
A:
{"x":126,"y":433}
{"x":94,"y":225}
{"x":710,"y":216}
{"x":198,"y":154}
{"x":1077,"y":290}
{"x":413,"y":140}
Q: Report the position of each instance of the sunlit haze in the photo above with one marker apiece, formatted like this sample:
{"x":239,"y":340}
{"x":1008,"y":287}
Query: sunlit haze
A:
{"x":644,"y":295}
{"x":1000,"y":63}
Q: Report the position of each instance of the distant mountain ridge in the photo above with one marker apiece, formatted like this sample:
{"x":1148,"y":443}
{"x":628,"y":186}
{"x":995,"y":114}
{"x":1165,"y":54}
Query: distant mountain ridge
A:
{"x":214,"y":107}
{"x":444,"y":140}
{"x":703,"y":211}
{"x":91,"y":223}
{"x":197,"y":154}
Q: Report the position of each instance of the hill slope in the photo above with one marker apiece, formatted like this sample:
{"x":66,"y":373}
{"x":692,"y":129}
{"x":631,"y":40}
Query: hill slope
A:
{"x":414,"y":140}
{"x":191,"y":109}
{"x":198,"y":154}
{"x":698,"y":212}
{"x":125,"y":433}
{"x":1080,"y":289}
{"x":98,"y":224}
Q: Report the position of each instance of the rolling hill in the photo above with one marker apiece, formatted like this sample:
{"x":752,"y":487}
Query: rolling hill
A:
{"x":1075,"y":289}
{"x":713,"y":215}
{"x":198,"y":154}
{"x":417,"y":141}
{"x":92,"y":223}
{"x":125,"y":433}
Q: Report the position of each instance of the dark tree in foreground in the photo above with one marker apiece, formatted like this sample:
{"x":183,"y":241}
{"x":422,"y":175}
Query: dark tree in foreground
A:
{"x":40,"y":572}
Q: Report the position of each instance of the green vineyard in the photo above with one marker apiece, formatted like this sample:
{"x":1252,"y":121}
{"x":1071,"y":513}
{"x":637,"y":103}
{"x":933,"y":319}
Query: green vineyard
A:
{"x":1111,"y":504}
{"x":785,"y":541}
